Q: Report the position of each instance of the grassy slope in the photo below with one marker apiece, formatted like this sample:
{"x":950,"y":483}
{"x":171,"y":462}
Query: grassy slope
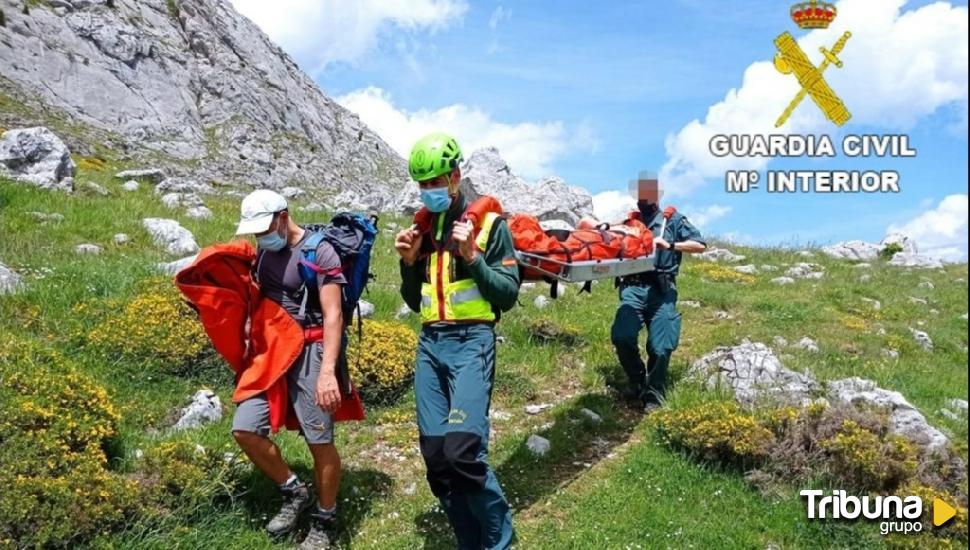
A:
{"x":606,"y":485}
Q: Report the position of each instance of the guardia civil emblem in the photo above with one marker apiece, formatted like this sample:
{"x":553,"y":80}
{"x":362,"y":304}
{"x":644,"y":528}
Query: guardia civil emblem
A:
{"x":790,"y":59}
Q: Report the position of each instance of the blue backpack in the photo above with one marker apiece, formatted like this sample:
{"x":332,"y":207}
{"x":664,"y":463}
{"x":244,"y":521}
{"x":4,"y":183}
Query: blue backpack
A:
{"x":352,"y":238}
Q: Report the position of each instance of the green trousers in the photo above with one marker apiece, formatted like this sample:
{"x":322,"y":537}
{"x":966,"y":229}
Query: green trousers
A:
{"x":645,"y":305}
{"x":453,"y":390}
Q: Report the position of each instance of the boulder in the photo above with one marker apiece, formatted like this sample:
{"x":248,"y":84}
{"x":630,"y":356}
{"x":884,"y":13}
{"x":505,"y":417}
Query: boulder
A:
{"x":87,"y":248}
{"x":366,"y":308}
{"x":185,"y":186}
{"x":538,"y":445}
{"x":10,"y":280}
{"x":130,"y":185}
{"x":906,"y":244}
{"x":37,"y":156}
{"x":171,"y":236}
{"x":292,"y":192}
{"x":537,"y":408}
{"x":922,"y":338}
{"x":403,"y":312}
{"x":199,"y":213}
{"x":753,"y":373}
{"x":783,"y":280}
{"x":853,"y":250}
{"x":749,"y":269}
{"x":719,"y":255}
{"x":959,"y":405}
{"x":756,"y":377}
{"x":541,"y":301}
{"x":171,"y":268}
{"x":120,"y":238}
{"x":95,"y":188}
{"x":204,"y":408}
{"x":807,"y":344}
{"x":151,"y":175}
{"x":805,"y":271}
{"x":904,"y":259}
{"x":181,"y":200}
{"x":904,"y":419}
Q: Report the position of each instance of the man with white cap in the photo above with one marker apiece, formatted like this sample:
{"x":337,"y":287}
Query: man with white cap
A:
{"x":313,"y":391}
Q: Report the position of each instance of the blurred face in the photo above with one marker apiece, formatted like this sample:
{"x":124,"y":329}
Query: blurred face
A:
{"x":646,"y":189}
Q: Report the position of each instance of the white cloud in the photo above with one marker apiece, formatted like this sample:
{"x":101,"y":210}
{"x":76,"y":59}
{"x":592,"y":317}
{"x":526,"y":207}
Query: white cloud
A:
{"x":329,"y":31}
{"x":941,"y":232}
{"x":898,"y":67}
{"x":703,"y":216}
{"x":530,"y":148}
{"x":499,"y":14}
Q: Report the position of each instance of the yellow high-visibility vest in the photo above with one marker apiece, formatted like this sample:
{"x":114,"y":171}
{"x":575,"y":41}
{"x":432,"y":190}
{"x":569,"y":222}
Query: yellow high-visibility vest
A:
{"x":445,"y":300}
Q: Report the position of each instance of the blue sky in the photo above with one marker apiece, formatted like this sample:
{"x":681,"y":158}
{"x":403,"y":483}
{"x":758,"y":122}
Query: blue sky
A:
{"x":593,"y":93}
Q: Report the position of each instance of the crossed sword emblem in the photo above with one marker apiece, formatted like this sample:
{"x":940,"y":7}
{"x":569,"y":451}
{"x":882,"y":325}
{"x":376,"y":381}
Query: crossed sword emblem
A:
{"x":791,"y":59}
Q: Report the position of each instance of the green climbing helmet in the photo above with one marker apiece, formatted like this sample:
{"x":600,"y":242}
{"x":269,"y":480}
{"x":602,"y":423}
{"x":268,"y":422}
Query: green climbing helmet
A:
{"x":433,"y":155}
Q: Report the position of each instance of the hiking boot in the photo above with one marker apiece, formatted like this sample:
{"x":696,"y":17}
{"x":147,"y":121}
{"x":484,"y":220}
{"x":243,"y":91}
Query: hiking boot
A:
{"x":296,"y":499}
{"x":322,"y":531}
{"x":633,"y":392}
{"x":650,"y":402}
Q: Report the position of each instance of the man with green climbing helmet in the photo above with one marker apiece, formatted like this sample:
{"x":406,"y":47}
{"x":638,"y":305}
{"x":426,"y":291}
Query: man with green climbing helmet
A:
{"x":458,"y":270}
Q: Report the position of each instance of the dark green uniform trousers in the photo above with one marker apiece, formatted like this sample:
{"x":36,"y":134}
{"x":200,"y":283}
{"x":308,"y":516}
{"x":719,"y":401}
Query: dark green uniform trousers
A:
{"x":453,"y":389}
{"x":650,"y":306}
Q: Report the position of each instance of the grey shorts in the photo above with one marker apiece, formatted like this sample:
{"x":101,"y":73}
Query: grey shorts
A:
{"x":316,"y":425}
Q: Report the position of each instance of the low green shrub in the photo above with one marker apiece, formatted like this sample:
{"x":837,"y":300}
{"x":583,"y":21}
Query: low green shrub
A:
{"x":156,"y":326}
{"x":718,"y":432}
{"x":54,"y":427}
{"x":382,"y":364}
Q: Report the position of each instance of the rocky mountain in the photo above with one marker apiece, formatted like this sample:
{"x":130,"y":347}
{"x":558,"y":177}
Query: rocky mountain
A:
{"x":189,"y":85}
{"x":195,"y":89}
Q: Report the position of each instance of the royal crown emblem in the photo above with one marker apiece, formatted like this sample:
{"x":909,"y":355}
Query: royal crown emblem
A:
{"x":813,"y":14}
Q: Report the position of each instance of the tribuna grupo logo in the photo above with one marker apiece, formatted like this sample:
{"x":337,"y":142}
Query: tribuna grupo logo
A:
{"x":896,"y":514}
{"x":813,"y":14}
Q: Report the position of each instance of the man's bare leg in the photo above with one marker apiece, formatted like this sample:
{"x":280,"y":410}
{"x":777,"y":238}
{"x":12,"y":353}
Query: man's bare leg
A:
{"x":326,"y":473}
{"x":265,"y":455}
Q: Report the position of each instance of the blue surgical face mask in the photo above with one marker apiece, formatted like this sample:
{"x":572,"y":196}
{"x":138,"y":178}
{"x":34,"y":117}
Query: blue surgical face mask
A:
{"x":274,"y":242}
{"x":437,"y":200}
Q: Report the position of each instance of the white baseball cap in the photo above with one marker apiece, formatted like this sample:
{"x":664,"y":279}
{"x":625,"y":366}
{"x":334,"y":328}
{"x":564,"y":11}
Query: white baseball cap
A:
{"x":257,"y":211}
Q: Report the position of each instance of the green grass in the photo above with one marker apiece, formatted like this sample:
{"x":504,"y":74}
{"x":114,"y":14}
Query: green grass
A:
{"x":608,"y":485}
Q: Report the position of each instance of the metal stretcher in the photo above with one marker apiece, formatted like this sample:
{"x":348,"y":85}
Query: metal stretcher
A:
{"x":591,"y":270}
